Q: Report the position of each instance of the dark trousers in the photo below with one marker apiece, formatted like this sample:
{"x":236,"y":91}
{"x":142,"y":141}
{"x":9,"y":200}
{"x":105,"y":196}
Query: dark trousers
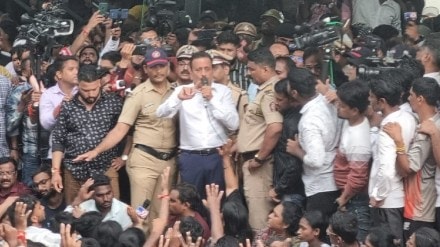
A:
{"x":200,"y":170}
{"x":392,"y":217}
{"x":359,"y":206}
{"x":410,"y":226}
{"x":437,"y":219}
{"x":325,"y":202}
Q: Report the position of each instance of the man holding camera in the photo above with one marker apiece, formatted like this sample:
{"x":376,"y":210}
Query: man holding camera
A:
{"x":153,"y":138}
{"x":82,"y":123}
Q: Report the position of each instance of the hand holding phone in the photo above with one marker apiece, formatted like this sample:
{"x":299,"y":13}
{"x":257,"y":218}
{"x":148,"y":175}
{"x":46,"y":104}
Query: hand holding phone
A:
{"x":142,"y":212}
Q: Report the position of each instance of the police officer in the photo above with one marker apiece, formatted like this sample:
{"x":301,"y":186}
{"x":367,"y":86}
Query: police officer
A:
{"x":259,"y":133}
{"x":154,"y":139}
{"x":221,"y":67}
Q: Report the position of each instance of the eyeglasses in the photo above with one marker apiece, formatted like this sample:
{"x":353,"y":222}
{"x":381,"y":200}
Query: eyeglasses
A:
{"x":7,"y":173}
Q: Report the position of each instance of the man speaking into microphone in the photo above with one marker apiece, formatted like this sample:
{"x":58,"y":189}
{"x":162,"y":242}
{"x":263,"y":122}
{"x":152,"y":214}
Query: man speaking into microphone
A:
{"x":206,"y":115}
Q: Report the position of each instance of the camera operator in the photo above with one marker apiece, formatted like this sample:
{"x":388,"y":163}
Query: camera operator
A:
{"x":354,"y":58}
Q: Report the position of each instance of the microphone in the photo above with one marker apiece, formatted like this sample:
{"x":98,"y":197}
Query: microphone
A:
{"x":205,"y":82}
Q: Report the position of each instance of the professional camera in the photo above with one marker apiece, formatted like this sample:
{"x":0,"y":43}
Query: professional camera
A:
{"x":317,"y":38}
{"x":365,"y":72}
{"x":40,"y":29}
{"x":165,"y":17}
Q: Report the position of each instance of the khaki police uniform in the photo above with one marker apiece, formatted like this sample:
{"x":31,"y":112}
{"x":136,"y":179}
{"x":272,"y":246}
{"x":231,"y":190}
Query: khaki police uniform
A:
{"x":240,"y":98}
{"x":259,"y":114}
{"x":154,"y":143}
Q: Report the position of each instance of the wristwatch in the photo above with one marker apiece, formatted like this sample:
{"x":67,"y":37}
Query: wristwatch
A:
{"x":124,"y":157}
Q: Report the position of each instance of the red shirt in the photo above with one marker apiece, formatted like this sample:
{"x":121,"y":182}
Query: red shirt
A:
{"x":17,"y":189}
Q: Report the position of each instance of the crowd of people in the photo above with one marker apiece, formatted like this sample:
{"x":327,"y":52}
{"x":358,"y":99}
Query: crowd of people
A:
{"x":225,"y":134}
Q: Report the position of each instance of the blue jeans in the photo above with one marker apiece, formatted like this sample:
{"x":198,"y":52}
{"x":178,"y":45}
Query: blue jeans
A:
{"x":31,"y":163}
{"x":359,"y":206}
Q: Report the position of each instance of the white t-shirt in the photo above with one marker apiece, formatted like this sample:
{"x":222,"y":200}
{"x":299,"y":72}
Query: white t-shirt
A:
{"x":385,"y":183}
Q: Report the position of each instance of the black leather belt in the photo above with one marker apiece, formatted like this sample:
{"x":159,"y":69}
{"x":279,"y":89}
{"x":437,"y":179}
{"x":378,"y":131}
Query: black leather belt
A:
{"x":207,"y":151}
{"x":155,"y":153}
{"x":248,"y":155}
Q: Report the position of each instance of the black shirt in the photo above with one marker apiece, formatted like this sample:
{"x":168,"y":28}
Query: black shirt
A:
{"x":78,"y":131}
{"x":287,"y":168}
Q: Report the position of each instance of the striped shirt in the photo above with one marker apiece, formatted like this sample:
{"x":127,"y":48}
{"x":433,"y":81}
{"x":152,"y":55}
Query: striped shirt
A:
{"x":238,"y":75}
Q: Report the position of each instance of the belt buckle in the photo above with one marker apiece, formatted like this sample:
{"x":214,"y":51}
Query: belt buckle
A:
{"x":164,"y":156}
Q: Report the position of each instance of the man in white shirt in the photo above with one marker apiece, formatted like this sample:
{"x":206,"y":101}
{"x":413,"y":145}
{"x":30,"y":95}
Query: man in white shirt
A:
{"x":385,"y":184}
{"x":316,"y":142}
{"x":207,"y":114}
{"x":96,"y":195}
{"x":429,"y":56}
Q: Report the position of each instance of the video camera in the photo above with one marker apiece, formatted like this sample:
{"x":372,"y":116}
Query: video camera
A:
{"x":40,"y":29}
{"x":165,"y":17}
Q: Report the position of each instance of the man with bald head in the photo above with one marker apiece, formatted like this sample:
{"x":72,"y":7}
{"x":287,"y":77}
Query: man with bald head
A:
{"x":279,"y":49}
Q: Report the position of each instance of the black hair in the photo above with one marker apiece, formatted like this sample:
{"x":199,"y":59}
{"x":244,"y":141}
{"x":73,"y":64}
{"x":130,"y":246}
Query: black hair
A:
{"x":112,"y":56}
{"x":428,"y":88}
{"x":389,"y":90}
{"x":30,"y":202}
{"x":283,"y":87}
{"x":292,"y":214}
{"x":381,"y":236}
{"x":107,"y":233}
{"x":61,"y":217}
{"x":61,"y":60}
{"x":262,"y":56}
{"x":317,"y":221}
{"x":182,"y":35}
{"x":99,"y":180}
{"x":5,"y":160}
{"x":89,"y":47}
{"x":401,"y":76}
{"x":287,"y":60}
{"x":227,"y":241}
{"x":236,"y":218}
{"x":427,"y":237}
{"x":412,"y":66}
{"x":188,"y":194}
{"x":345,"y":225}
{"x":89,"y":242}
{"x":228,"y":37}
{"x":132,"y":237}
{"x":86,"y":223}
{"x":312,"y":51}
{"x":199,"y":54}
{"x":303,"y":81}
{"x":20,"y":49}
{"x":190,"y":224}
{"x":43,"y":169}
{"x":30,"y":243}
{"x":88,"y":73}
{"x":355,"y":95}
{"x":49,"y":77}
